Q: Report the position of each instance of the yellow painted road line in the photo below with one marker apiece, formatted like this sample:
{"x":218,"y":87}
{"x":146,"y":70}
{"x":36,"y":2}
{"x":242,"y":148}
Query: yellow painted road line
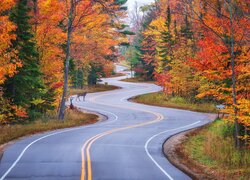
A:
{"x":87,"y":145}
{"x":83,"y":156}
{"x":108,"y":133}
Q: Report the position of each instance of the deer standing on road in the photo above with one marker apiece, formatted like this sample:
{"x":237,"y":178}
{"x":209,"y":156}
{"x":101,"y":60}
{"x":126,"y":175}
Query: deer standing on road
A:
{"x":83,"y":95}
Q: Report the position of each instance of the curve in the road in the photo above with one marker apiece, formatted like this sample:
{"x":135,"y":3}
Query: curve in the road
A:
{"x":90,"y":141}
{"x":126,"y":146}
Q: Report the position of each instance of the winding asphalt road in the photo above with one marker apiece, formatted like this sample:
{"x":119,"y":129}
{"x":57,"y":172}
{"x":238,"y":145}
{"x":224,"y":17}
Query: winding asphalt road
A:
{"x":128,"y":145}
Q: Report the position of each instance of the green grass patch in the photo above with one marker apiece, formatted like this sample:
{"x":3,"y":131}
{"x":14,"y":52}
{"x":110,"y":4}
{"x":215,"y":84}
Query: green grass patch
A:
{"x":73,"y":118}
{"x":213,"y":147}
{"x":159,"y":99}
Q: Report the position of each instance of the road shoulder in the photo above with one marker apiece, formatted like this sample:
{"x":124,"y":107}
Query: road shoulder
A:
{"x":172,"y":149}
{"x":173,"y":152}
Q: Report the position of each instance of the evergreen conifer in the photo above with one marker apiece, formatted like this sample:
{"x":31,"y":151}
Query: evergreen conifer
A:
{"x":26,"y":88}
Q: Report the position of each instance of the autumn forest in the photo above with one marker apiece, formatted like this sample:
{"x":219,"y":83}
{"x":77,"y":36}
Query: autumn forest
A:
{"x":45,"y":43}
{"x":198,"y":50}
{"x":194,"y":49}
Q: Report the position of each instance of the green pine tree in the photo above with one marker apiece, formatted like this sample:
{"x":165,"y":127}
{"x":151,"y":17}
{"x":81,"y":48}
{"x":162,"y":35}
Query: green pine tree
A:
{"x":96,"y":70}
{"x":186,"y":29}
{"x":76,"y":75}
{"x":26,"y":88}
{"x":147,"y":67}
{"x":167,"y":41}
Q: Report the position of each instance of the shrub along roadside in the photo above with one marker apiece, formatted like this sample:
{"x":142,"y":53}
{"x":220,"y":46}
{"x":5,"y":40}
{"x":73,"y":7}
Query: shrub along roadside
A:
{"x":159,"y":99}
{"x":212,"y":149}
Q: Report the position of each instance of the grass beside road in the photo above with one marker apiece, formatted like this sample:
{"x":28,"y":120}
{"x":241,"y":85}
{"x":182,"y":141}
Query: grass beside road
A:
{"x":92,"y":89}
{"x":212,"y":147}
{"x":136,"y":79}
{"x":159,"y":99}
{"x":73,"y":118}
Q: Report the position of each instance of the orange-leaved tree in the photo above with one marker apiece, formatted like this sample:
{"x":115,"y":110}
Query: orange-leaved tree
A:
{"x":8,"y":59}
{"x":80,"y":16}
{"x":50,"y":38}
{"x":225,"y":25}
{"x":9,"y":63}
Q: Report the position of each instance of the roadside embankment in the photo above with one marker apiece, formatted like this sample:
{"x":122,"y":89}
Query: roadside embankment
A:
{"x":203,"y":153}
{"x":208,"y":153}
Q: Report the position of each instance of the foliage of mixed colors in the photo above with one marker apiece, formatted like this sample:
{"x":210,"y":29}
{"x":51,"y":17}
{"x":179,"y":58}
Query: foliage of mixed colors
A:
{"x":199,"y":50}
{"x":46,"y":44}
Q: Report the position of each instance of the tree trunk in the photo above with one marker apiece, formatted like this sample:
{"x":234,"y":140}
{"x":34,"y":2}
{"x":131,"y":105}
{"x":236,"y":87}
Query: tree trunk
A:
{"x":234,"y":92}
{"x":35,"y":14}
{"x":131,"y":69}
{"x":66,"y":69}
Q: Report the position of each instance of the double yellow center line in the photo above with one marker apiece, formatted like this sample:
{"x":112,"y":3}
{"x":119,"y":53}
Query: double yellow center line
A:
{"x":87,"y":170}
{"x":86,"y":147}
